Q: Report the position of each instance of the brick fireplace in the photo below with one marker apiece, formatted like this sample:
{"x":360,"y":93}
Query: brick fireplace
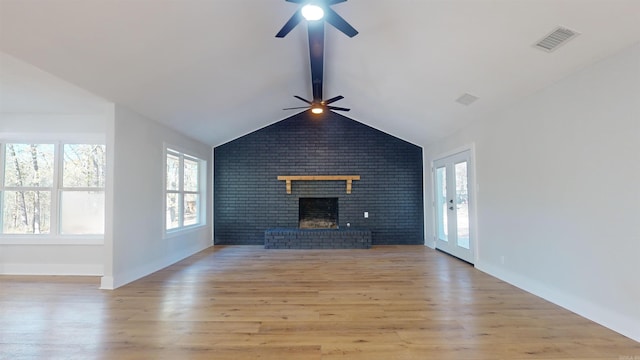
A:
{"x":365,"y":169}
{"x":317,"y":229}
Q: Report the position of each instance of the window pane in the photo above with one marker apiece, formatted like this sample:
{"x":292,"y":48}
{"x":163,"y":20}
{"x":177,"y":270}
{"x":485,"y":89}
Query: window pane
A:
{"x":190,"y":175}
{"x":28,"y":165}
{"x":84,"y":165}
{"x":26,"y":212}
{"x":173,"y":211}
{"x":441,"y":203}
{"x":82,"y":212}
{"x":462,"y":204}
{"x":191,"y":205}
{"x":173,"y":172}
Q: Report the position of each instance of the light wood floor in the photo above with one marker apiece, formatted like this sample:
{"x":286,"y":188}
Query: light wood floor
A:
{"x":244,"y":302}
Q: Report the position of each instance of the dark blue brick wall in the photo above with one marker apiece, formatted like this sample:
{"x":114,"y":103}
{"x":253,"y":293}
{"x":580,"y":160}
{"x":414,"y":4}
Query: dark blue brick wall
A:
{"x":249,"y":199}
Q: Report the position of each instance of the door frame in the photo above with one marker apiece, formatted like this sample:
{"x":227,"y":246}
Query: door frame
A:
{"x":473,"y":189}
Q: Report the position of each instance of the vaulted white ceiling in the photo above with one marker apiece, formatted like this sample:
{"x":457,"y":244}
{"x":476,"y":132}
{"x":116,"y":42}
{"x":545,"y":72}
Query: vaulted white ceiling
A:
{"x":214,"y":70}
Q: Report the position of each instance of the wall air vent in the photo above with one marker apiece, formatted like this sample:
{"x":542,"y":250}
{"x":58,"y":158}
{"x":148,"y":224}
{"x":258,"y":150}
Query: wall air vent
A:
{"x":555,"y":39}
{"x":466,"y":99}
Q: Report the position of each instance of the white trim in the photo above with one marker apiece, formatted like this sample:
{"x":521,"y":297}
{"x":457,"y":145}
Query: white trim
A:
{"x":211,"y":185}
{"x":55,"y":216}
{"x":602,"y":315}
{"x":55,"y":190}
{"x":429,"y":239}
{"x":473,"y":220}
{"x":202,"y":193}
{"x":106,"y":283}
{"x":467,"y":147}
{"x":434,"y":210}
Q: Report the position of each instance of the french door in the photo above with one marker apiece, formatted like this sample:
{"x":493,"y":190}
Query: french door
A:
{"x":453,"y":196}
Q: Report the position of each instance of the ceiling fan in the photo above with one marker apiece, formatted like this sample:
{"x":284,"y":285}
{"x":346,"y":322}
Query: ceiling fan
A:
{"x":318,"y":107}
{"x":317,"y":12}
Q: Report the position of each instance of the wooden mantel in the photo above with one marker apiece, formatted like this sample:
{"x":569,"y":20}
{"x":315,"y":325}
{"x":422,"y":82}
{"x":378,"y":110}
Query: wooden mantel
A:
{"x":348,"y":178}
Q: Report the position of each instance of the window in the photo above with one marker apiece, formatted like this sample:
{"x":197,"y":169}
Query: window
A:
{"x":183,"y":190}
{"x":52,"y":189}
{"x":28,"y":186}
{"x":82,"y":191}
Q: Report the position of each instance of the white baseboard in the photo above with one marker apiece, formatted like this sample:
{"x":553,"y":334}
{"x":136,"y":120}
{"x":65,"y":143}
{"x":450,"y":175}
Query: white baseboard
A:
{"x":106,"y":283}
{"x":122,"y":279}
{"x":606,"y":317}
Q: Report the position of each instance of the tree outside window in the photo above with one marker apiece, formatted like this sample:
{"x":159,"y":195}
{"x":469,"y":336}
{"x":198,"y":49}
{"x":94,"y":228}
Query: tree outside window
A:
{"x":52,"y":188}
{"x":28,"y":184}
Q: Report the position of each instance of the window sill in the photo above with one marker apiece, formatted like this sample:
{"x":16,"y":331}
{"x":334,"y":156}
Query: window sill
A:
{"x":168,"y":234}
{"x":51,"y":240}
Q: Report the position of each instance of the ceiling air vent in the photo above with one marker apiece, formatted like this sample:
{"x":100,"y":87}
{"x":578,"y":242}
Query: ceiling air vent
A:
{"x":466,"y":99}
{"x":556,"y":38}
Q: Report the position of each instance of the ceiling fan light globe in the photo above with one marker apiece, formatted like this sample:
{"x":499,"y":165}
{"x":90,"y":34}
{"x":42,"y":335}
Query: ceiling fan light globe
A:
{"x":312,"y":12}
{"x":317,"y":110}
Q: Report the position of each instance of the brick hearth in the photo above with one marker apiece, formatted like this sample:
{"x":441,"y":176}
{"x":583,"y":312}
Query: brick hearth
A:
{"x":317,"y":239}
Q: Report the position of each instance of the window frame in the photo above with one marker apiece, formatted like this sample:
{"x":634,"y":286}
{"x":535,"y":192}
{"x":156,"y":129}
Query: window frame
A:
{"x":49,"y":189}
{"x":180,"y":192}
{"x":54,"y":236}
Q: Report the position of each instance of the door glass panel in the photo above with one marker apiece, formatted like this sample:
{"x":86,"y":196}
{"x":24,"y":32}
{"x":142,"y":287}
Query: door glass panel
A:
{"x":441,"y":202}
{"x":462,"y":204}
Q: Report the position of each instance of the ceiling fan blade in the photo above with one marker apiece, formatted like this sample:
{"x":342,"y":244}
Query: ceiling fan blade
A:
{"x":332,"y":2}
{"x":337,"y":108}
{"x":295,"y":108}
{"x":293,"y":22}
{"x":305,"y":100}
{"x":339,"y":23}
{"x":333,"y":99}
{"x":299,"y":1}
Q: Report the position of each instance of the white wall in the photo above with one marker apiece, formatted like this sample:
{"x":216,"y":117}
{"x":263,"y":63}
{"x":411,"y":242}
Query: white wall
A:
{"x":138,"y":245}
{"x":36,"y":106}
{"x":559,"y":199}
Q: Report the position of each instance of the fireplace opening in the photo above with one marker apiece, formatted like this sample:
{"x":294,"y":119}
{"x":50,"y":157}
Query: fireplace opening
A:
{"x":318,"y":213}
